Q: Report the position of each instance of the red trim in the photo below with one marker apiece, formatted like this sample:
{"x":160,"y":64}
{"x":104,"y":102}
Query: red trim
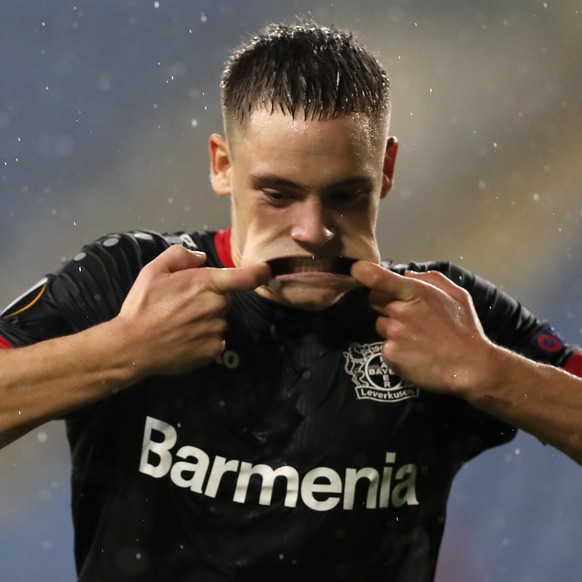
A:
{"x":574,"y":365}
{"x":4,"y":345}
{"x":222,"y":243}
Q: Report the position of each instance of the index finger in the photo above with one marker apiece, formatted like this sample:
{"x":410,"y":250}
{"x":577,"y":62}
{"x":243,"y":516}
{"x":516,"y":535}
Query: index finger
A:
{"x":396,"y":287}
{"x":240,"y":278}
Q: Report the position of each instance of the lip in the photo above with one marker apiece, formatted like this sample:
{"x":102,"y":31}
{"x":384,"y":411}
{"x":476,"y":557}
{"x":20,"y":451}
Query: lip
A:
{"x":299,"y":264}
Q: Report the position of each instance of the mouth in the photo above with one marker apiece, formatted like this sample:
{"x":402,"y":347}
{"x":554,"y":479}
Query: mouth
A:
{"x":302,"y":264}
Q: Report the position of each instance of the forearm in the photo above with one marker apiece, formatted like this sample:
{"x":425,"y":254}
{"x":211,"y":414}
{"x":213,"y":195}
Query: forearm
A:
{"x":52,"y":378}
{"x":540,"y":399}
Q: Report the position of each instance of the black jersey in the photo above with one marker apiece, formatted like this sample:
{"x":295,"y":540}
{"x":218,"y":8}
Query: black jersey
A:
{"x":298,"y":454}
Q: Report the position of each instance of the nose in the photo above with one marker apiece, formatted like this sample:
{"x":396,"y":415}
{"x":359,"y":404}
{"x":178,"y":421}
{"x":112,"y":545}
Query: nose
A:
{"x":312,"y":226}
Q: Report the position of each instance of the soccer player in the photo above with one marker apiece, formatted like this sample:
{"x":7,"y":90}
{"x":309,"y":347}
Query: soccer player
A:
{"x":255,"y":403}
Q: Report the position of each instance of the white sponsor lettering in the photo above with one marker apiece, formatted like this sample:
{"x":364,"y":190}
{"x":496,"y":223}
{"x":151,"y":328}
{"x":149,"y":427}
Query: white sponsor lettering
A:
{"x":320,"y":489}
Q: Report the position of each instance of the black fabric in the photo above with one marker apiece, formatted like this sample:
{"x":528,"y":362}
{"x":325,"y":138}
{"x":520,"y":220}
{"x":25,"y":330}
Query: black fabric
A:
{"x":298,"y":455}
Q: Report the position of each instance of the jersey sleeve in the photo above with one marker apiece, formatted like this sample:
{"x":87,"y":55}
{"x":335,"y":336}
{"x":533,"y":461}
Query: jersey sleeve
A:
{"x":506,"y":322}
{"x":87,"y":290}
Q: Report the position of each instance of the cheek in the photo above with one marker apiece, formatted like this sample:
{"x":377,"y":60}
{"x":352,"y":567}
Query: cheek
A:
{"x":258,"y":226}
{"x":358,"y":225}
{"x":262,"y":219}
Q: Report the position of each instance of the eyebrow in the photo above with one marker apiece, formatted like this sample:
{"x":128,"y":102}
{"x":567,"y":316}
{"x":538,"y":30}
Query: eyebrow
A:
{"x":275,"y":181}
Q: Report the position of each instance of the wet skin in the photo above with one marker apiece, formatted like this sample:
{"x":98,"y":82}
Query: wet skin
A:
{"x":306,"y":191}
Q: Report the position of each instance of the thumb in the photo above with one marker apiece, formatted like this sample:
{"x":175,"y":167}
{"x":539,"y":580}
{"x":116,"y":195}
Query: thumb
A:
{"x":240,"y":279}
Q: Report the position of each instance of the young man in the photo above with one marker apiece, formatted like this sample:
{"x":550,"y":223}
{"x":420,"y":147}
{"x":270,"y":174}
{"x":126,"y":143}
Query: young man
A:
{"x":229,"y":406}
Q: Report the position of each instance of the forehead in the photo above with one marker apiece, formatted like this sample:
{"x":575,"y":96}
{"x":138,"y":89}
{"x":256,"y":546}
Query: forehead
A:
{"x":277,"y":129}
{"x":311,"y":154}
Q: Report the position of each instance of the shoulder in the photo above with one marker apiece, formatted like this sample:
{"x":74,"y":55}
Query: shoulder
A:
{"x":146,"y":243}
{"x":491,"y":303}
{"x":480,"y":289}
{"x":461,"y":276}
{"x":505,"y":320}
{"x":456,"y":273}
{"x":133,"y":249}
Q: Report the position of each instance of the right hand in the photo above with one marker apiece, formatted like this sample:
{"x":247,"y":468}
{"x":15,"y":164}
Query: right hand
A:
{"x":175,"y":313}
{"x":432,"y":334}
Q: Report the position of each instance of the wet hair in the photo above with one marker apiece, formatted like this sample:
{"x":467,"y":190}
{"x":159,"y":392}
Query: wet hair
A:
{"x":304,"y":70}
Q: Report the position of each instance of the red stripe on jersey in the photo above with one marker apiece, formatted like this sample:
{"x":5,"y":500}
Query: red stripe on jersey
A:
{"x":574,"y":365}
{"x":222,"y":242}
{"x":4,"y":345}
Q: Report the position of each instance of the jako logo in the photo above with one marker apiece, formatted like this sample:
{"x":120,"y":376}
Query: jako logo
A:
{"x":320,"y":489}
{"x":229,"y":359}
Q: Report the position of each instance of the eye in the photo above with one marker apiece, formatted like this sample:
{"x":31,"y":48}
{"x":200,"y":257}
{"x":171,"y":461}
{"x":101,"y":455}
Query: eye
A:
{"x":350,"y":198}
{"x":278,"y":198}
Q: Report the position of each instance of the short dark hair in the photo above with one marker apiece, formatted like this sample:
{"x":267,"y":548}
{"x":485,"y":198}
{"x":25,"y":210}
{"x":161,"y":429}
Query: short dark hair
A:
{"x":304,"y":69}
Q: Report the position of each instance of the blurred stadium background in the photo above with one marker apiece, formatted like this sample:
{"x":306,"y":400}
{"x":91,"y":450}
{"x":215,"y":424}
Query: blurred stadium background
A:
{"x":105,"y":109}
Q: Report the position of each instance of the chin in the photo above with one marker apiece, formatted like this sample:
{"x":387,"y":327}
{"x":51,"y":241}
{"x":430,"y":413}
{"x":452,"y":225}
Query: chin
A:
{"x":311,"y":304}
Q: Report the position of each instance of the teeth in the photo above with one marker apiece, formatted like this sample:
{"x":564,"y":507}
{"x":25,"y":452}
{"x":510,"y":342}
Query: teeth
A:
{"x":311,"y":265}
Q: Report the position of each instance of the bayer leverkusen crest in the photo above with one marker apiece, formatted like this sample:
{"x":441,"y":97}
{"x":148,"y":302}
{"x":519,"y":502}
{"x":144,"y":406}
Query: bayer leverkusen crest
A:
{"x":372,"y":376}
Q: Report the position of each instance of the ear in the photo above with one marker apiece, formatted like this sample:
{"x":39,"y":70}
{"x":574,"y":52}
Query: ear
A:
{"x":220,"y":165}
{"x":389,"y":164}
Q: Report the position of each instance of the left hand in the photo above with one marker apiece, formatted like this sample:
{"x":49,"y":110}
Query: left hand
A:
{"x":433,"y":336}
